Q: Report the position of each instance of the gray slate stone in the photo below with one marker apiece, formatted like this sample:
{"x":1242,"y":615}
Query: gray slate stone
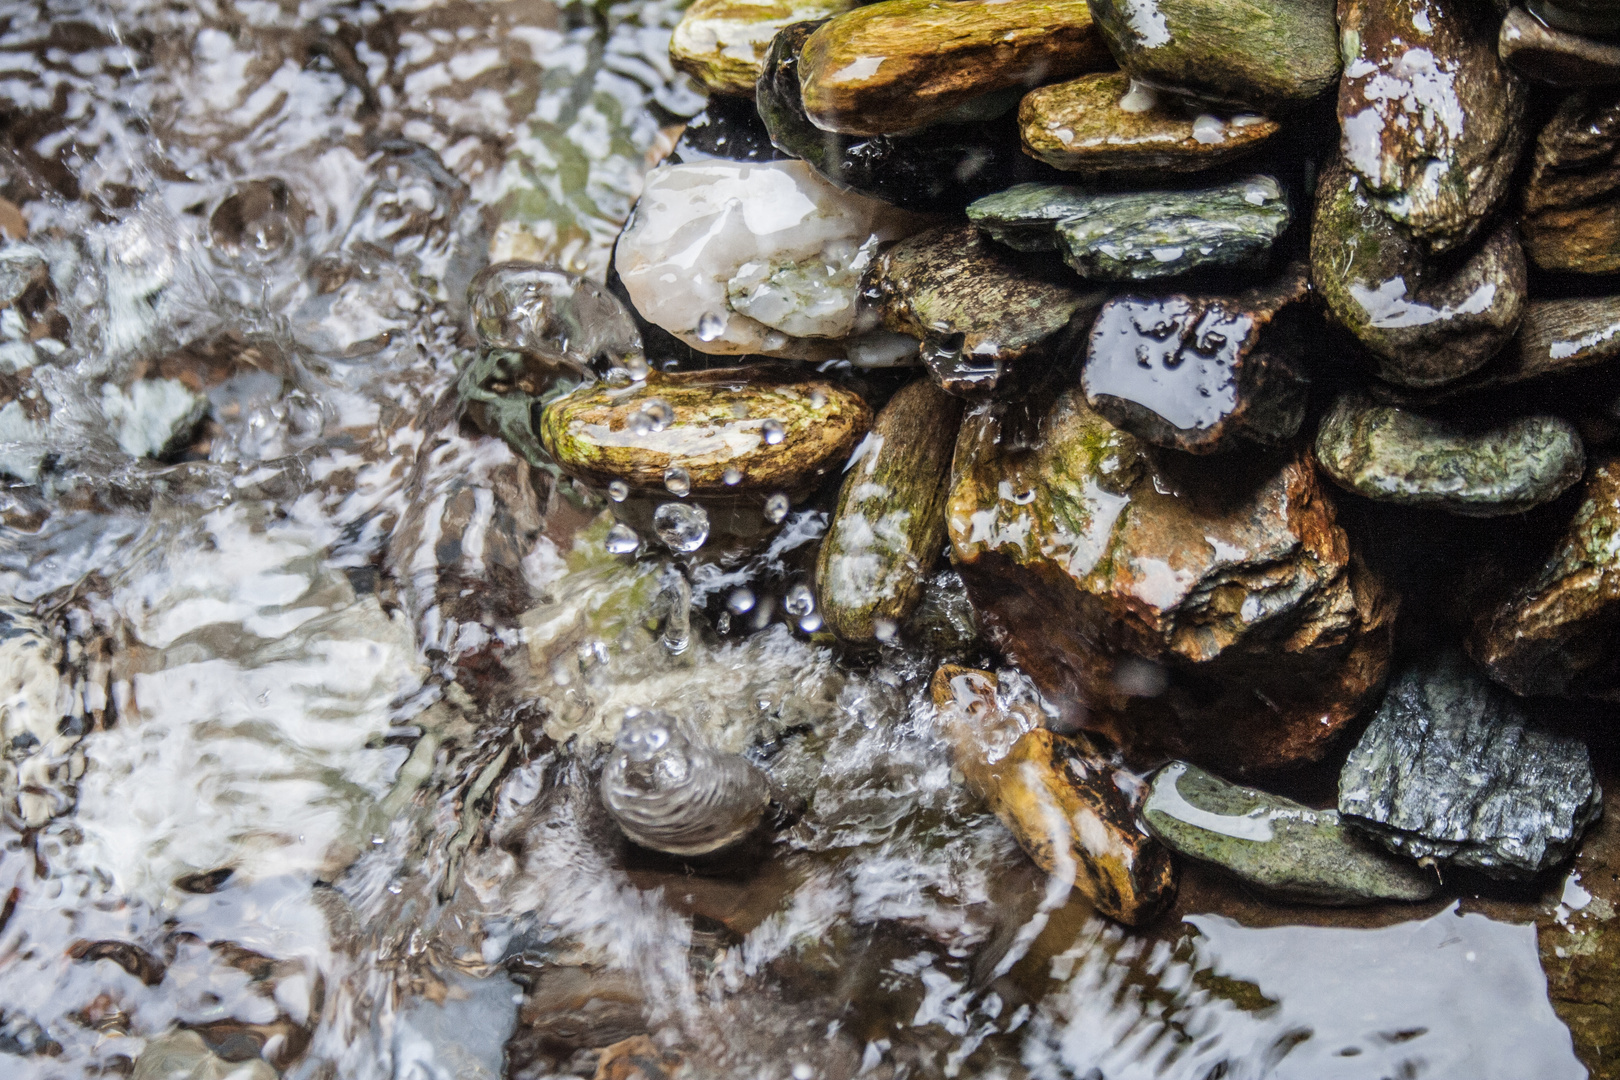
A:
{"x":1452,"y":770}
{"x":1275,"y":844}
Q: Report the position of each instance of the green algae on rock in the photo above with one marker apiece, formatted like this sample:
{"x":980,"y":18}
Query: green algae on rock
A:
{"x":1099,"y":124}
{"x":771,"y":427}
{"x":1392,"y":454}
{"x":1203,"y":608}
{"x":1425,"y":322}
{"x":722,"y":43}
{"x":888,"y":529}
{"x":1432,"y":120}
{"x":902,"y":64}
{"x":1277,"y":845}
{"x":1572,"y":197}
{"x":1260,"y":52}
{"x":1556,"y":57}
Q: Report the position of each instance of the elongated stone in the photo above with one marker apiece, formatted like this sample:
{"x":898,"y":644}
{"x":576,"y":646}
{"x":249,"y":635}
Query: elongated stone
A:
{"x":1139,"y":236}
{"x":1544,"y":54}
{"x":780,"y":432}
{"x":1200,"y":372}
{"x":1204,"y":608}
{"x":1554,"y":633}
{"x":722,"y":43}
{"x":989,"y":319}
{"x":1425,"y":322}
{"x":1572,"y":198}
{"x":1068,"y":807}
{"x":1104,"y":123}
{"x":1432,"y":120}
{"x":1451,"y":770}
{"x":902,"y":64}
{"x":1263,"y":53}
{"x":1275,"y":844}
{"x":1392,"y":454}
{"x":740,"y":257}
{"x":1596,"y":17}
{"x":889,"y":526}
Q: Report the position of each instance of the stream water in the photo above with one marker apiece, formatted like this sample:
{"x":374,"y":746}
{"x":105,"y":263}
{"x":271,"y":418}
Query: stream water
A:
{"x":302,"y":718}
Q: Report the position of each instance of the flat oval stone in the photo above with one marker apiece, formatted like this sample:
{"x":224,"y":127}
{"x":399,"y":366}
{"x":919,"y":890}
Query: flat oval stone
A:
{"x":1201,"y":372}
{"x":1391,"y":454}
{"x":1108,"y":124}
{"x":1275,"y":844}
{"x":901,"y":64}
{"x":741,"y":257}
{"x":1432,"y":120}
{"x":1202,"y":608}
{"x":1425,"y":322}
{"x":722,"y":43}
{"x":888,"y":529}
{"x":1261,"y":52}
{"x":1555,"y":57}
{"x":1572,"y":198}
{"x":707,"y":423}
{"x":1451,"y":770}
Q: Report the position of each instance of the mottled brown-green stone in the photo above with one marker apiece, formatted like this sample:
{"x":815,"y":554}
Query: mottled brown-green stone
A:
{"x":722,"y":43}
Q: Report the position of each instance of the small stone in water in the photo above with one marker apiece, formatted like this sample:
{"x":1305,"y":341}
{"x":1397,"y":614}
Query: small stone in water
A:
{"x":776,"y":508}
{"x":740,"y":602}
{"x":618,"y":491}
{"x":622,"y":540}
{"x":677,"y":481}
{"x":731,"y":478}
{"x":774,"y":432}
{"x":682,"y":527}
{"x":800,"y":600}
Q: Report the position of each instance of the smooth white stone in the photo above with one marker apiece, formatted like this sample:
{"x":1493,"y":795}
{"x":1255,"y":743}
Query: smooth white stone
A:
{"x":762,"y":256}
{"x":151,"y":414}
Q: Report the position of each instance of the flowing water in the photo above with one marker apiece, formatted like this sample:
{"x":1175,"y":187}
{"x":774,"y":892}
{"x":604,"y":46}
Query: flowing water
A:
{"x":302,"y":719}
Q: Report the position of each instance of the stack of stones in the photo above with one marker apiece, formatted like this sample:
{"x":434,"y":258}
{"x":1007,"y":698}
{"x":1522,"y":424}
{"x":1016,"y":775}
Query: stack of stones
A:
{"x":1194,"y":335}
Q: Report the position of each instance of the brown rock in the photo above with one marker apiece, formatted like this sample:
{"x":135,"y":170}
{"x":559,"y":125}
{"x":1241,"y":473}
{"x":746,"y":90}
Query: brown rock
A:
{"x":1058,"y":795}
{"x":722,"y":43}
{"x":1572,"y":199}
{"x":1191,"y":607}
{"x":637,"y":1058}
{"x":1555,"y":57}
{"x":902,"y":64}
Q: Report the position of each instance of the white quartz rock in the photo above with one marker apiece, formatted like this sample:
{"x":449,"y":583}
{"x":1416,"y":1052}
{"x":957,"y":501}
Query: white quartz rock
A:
{"x":738,"y":257}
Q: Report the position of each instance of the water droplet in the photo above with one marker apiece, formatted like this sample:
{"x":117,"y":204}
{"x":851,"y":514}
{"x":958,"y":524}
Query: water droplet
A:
{"x":739,"y":409}
{"x":710,"y":326}
{"x":741,"y":601}
{"x":774,"y":431}
{"x":818,"y":400}
{"x":559,"y":317}
{"x":811,"y":622}
{"x":618,"y":491}
{"x":678,"y":481}
{"x":681,"y":526}
{"x":800,"y":600}
{"x":731,"y":478}
{"x":775,"y":340}
{"x":776,"y":508}
{"x":622,"y":540}
{"x":885,"y":630}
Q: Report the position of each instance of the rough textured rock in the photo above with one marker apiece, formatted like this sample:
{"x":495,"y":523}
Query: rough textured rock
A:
{"x":1202,"y":372}
{"x":1432,"y":120}
{"x":1392,"y":454}
{"x":1555,"y":57}
{"x":722,"y":43}
{"x":1264,"y":52}
{"x":740,"y":257}
{"x":1572,"y":199}
{"x":1275,"y":844}
{"x":902,"y":64}
{"x":1199,"y":608}
{"x":989,"y":319}
{"x":887,"y":531}
{"x":940,"y":169}
{"x":1139,"y":236}
{"x":1425,"y":321}
{"x":1452,"y":770}
{"x":1103,"y":123}
{"x":1596,"y":17}
{"x":707,"y":422}
{"x":1554,"y":634}
{"x":1067,"y":806}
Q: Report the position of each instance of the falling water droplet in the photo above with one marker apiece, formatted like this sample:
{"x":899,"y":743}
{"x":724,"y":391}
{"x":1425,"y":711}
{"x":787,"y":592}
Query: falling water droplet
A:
{"x":731,"y":477}
{"x":681,"y":526}
{"x":618,"y":491}
{"x":622,"y":540}
{"x":741,"y":601}
{"x":710,"y":326}
{"x":800,"y":601}
{"x":774,"y":431}
{"x":776,"y":508}
{"x":678,"y":481}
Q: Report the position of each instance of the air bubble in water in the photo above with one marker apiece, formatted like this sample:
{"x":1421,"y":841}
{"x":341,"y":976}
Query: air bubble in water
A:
{"x":618,"y":491}
{"x":885,"y":630}
{"x":622,"y":540}
{"x":681,"y":526}
{"x":710,"y":326}
{"x":800,"y":601}
{"x":731,"y":478}
{"x":774,"y":431}
{"x":259,"y":220}
{"x":776,"y":508}
{"x":741,"y":601}
{"x":559,"y":317}
{"x":678,"y":481}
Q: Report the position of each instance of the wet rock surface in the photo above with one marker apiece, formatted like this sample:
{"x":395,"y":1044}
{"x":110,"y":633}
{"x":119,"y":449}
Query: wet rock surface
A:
{"x":1277,"y":845}
{"x":1393,"y":454}
{"x":1200,"y":373}
{"x":888,"y":528}
{"x":901,"y":64}
{"x":1425,"y":322}
{"x":722,"y":43}
{"x":1257,"y":54}
{"x":1451,"y":770}
{"x":1595,"y":17}
{"x":1181,"y":607}
{"x":1555,"y":57}
{"x":1433,"y":121}
{"x":1572,"y":198}
{"x":1105,"y":123}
